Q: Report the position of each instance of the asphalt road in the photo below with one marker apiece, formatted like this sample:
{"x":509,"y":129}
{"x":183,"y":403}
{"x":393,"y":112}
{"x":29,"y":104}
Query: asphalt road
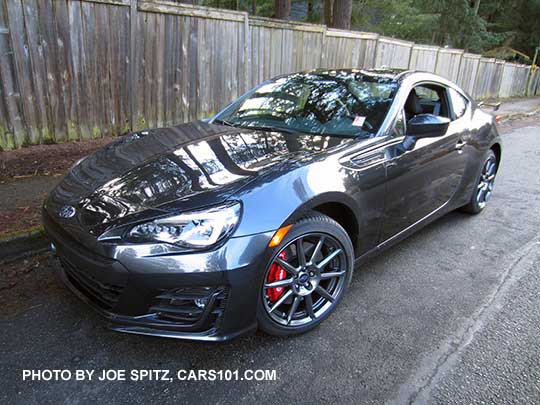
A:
{"x":448,"y":316}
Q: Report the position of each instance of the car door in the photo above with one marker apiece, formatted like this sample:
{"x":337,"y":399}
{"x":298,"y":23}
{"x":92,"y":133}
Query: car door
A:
{"x":423,"y":174}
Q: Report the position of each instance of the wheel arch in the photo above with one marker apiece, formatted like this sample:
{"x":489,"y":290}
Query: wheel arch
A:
{"x":497,"y":149}
{"x":340,"y":207}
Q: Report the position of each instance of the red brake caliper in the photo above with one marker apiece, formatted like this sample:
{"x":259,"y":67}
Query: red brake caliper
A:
{"x":276,"y":273}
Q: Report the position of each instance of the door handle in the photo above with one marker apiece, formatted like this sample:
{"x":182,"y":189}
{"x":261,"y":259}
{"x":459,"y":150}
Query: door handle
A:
{"x":460,"y":145}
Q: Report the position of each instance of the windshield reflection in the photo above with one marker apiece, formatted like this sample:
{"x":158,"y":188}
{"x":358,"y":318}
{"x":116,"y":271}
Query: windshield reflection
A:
{"x":347,"y":103}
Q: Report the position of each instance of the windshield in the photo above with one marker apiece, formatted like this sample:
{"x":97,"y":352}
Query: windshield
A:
{"x":348,"y":104}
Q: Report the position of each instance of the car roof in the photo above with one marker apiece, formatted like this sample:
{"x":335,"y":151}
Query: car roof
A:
{"x":398,"y":75}
{"x":389,"y":73}
{"x":395,"y":74}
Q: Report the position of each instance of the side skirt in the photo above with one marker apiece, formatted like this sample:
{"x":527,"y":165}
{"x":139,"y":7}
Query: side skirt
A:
{"x":411,"y":229}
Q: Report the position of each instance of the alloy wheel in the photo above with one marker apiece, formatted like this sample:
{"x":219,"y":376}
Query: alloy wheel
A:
{"x":486,"y":183}
{"x":305,"y":280}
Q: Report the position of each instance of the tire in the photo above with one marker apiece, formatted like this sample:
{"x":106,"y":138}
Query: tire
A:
{"x":321,"y":238}
{"x":483,"y":185}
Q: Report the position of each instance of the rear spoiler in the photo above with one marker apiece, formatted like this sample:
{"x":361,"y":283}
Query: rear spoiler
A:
{"x":494,"y":105}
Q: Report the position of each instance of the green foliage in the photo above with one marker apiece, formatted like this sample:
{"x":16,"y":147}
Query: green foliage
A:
{"x":400,"y":19}
{"x":452,"y":23}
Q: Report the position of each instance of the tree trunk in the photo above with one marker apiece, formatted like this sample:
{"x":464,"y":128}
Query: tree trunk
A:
{"x":310,"y":10}
{"x":476,"y":6}
{"x":328,"y":9}
{"x":342,"y":14}
{"x":282,"y":9}
{"x":254,"y":7}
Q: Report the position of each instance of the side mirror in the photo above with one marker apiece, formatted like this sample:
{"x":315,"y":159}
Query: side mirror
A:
{"x":427,"y":126}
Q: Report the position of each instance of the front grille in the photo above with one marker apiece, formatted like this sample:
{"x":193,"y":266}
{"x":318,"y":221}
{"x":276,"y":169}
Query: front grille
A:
{"x":103,"y":294}
{"x":179,"y":307}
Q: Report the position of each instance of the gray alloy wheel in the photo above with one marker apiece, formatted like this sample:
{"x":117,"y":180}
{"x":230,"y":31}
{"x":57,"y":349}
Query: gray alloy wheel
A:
{"x":306,"y":277}
{"x":484,"y":187}
{"x":486,"y":182}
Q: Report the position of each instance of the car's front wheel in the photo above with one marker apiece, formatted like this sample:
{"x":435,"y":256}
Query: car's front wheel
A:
{"x":306,"y":277}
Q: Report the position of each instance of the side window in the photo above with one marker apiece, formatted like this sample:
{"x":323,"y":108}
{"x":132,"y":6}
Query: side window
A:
{"x":459,"y":103}
{"x":427,"y":99}
{"x":399,"y":126}
{"x":426,"y":94}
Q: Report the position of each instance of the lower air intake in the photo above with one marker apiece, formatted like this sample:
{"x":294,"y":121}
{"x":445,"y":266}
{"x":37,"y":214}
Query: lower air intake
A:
{"x":199,"y":308}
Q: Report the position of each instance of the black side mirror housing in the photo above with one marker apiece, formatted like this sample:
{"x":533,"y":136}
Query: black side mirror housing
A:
{"x":427,"y":126}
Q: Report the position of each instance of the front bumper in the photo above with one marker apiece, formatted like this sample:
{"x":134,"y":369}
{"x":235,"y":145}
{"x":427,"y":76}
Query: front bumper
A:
{"x":208,"y":296}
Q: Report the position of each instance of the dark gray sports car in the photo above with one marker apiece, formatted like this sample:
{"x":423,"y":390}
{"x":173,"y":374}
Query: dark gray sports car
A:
{"x":258,"y":216}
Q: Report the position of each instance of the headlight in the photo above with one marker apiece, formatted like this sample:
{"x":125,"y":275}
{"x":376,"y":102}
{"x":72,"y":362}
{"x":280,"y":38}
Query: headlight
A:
{"x":196,"y":229}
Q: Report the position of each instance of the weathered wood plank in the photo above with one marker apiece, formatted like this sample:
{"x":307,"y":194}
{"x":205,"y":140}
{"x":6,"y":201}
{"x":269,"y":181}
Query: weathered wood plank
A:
{"x":37,"y":68}
{"x":164,"y":7}
{"x":169,"y":65}
{"x":4,"y":124}
{"x":67,"y":86}
{"x":123,"y":27}
{"x":160,"y":61}
{"x":5,"y":130}
{"x":13,"y":126}
{"x":53,"y":69}
{"x":109,"y":2}
{"x":91,"y":98}
{"x":150,"y":71}
{"x":79,"y":69}
{"x":23,"y":72}
{"x":186,"y":68}
{"x":271,"y":23}
{"x":114,"y":60}
{"x":193,"y":77}
{"x":219,"y":70}
{"x":201,"y":51}
{"x":180,"y":70}
{"x":139,"y":121}
{"x":102,"y":41}
{"x":207,"y":87}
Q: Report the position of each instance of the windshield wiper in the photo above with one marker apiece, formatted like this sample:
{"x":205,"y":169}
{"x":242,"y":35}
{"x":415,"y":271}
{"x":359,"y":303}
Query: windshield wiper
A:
{"x":223,"y":122}
{"x":276,"y":129}
{"x":291,"y":131}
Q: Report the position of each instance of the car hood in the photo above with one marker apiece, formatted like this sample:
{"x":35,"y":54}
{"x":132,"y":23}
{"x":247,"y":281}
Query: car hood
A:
{"x":174,"y":169}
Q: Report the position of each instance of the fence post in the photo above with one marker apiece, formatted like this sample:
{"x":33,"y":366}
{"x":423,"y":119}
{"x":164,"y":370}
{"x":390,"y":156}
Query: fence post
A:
{"x":247,"y":54}
{"x":459,"y":66}
{"x":475,"y":78}
{"x":500,"y":78}
{"x":531,"y":72}
{"x":322,"y":59}
{"x":437,"y":59}
{"x":376,"y":52}
{"x":132,"y":73}
{"x":410,"y":56}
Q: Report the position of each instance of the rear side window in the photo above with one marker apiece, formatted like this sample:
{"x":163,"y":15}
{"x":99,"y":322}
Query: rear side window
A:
{"x":459,"y":103}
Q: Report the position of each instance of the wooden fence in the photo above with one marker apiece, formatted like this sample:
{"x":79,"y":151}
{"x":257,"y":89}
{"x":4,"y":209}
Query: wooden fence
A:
{"x":72,"y":70}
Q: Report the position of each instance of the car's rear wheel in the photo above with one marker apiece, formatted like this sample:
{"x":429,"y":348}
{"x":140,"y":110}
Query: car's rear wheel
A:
{"x":484,"y":185}
{"x":306,"y":277}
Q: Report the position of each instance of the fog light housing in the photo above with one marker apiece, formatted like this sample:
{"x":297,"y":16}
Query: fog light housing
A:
{"x":201,"y":302}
